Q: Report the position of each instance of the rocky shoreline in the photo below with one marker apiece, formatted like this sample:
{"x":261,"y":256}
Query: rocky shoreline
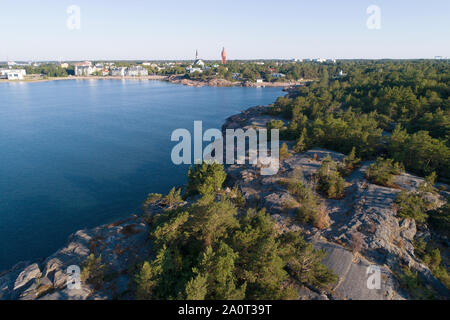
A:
{"x":173,"y":79}
{"x":367,"y":209}
{"x":226,"y":83}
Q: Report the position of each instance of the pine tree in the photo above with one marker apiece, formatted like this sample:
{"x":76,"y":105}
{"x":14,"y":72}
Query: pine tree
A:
{"x":196,"y":288}
{"x":304,"y":262}
{"x":148,"y":277}
{"x":284,"y":152}
{"x":330,"y":181}
{"x":301,"y":145}
{"x":219,"y":268}
{"x":173,"y":198}
{"x":205,"y":178}
{"x":351,"y":161}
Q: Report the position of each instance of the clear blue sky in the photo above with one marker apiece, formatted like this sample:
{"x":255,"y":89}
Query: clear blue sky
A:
{"x":174,"y":29}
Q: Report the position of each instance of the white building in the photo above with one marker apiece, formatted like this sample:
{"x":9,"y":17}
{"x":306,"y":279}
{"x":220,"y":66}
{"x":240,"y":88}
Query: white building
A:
{"x":136,"y":71}
{"x":12,"y":74}
{"x":192,"y":70}
{"x":119,"y":71}
{"x":199,"y":63}
{"x":278,"y":75}
{"x":84,"y":68}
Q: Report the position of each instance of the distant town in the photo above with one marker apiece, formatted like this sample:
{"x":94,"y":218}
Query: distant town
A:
{"x":221,"y":72}
{"x":198,"y":69}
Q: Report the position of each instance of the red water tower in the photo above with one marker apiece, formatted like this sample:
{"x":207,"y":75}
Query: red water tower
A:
{"x":224,"y":56}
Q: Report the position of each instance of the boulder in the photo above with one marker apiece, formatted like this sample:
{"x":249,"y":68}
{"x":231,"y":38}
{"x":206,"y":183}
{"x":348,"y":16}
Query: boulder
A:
{"x":28,"y":274}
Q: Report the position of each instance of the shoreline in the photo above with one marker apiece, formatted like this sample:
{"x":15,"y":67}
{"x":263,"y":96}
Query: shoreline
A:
{"x":176,"y":79}
{"x":153,"y":77}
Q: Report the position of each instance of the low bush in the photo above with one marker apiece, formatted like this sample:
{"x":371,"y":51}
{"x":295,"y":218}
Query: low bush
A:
{"x":284,"y":152}
{"x":383,"y":172}
{"x":414,"y":285}
{"x":411,"y":205}
{"x":93,"y":271}
{"x":330,"y":182}
{"x":431,"y":256}
{"x":151,"y":199}
{"x":351,"y":162}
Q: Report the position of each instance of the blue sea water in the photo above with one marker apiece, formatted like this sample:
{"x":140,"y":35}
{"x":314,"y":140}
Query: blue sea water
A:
{"x":79,"y":153}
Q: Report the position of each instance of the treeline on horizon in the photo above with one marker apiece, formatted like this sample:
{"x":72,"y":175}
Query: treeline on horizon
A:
{"x":248,"y":70}
{"x":395,"y":109}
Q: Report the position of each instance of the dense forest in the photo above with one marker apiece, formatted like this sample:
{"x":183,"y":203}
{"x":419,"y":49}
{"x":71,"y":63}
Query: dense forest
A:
{"x":251,"y":70}
{"x":396,"y":109}
{"x":214,"y":248}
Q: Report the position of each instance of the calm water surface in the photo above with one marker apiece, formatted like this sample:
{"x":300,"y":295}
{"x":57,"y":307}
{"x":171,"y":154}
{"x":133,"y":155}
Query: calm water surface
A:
{"x":78,"y":153}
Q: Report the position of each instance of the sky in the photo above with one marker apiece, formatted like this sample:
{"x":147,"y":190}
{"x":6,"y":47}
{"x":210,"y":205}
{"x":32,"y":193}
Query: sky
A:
{"x":248,"y":29}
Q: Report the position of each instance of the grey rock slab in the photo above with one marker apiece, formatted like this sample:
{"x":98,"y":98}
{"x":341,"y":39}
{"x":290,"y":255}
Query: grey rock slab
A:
{"x":29,"y":273}
{"x":69,"y":294}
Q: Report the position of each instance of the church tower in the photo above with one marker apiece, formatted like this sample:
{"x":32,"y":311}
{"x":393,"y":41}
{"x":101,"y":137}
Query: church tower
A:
{"x":224,"y":56}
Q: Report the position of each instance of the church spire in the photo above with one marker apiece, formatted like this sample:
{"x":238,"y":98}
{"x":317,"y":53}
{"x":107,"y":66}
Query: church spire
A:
{"x":224,"y":56}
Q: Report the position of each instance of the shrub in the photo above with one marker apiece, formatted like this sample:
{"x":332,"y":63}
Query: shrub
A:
{"x":351,"y":162}
{"x":275,"y":124}
{"x":304,"y":262}
{"x":237,"y":197}
{"x":413,"y":284}
{"x":151,"y":199}
{"x":382,"y":172}
{"x":284,"y":152}
{"x":411,"y":205}
{"x":93,"y":271}
{"x":147,"y":277}
{"x":440,"y":220}
{"x":321,"y":219}
{"x":205,"y":178}
{"x":331,"y":184}
{"x":309,"y":208}
{"x":432,"y":258}
{"x":428,"y":184}
{"x":442,"y":274}
{"x":173,"y":198}
{"x":301,"y":144}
